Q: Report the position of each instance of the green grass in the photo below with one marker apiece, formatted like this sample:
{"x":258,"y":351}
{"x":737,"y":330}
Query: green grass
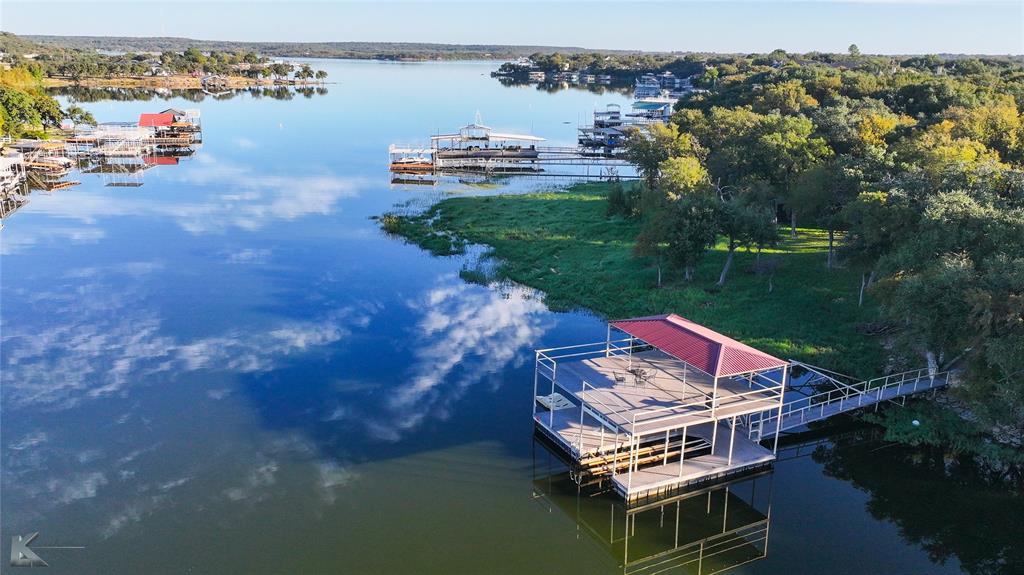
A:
{"x":563,"y":244}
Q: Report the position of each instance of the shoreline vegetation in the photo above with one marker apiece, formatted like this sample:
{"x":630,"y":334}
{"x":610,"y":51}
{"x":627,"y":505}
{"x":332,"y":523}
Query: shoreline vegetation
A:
{"x":785,"y":300}
{"x":188,"y":68}
{"x":564,"y":244}
{"x":394,"y":51}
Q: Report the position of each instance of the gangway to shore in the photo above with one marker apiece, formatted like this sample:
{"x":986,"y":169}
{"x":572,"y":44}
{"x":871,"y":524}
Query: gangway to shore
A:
{"x":843,"y":398}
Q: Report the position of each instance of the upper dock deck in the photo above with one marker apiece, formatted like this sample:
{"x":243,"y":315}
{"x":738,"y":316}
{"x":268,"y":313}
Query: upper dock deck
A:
{"x":650,"y":392}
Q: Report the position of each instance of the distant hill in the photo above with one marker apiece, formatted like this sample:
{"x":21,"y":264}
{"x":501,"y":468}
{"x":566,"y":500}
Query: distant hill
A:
{"x":381,"y":50}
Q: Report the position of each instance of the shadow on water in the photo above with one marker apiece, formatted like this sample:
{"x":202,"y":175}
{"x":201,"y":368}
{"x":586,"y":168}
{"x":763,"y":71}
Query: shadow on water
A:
{"x":955,"y":511}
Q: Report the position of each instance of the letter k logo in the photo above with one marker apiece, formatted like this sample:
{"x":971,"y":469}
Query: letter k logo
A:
{"x":21,"y":555}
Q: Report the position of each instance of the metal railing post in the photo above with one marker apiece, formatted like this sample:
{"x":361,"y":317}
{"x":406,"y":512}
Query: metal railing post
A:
{"x":583,"y":403}
{"x":551,"y":411}
{"x":536,"y":375}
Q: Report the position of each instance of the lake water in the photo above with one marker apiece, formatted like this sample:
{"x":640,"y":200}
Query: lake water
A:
{"x":230,"y":369}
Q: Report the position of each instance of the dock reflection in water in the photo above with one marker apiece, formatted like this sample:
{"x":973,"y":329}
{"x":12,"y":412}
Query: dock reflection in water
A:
{"x":704,"y":531}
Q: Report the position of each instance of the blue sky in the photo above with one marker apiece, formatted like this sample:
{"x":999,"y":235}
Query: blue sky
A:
{"x":876,"y":26}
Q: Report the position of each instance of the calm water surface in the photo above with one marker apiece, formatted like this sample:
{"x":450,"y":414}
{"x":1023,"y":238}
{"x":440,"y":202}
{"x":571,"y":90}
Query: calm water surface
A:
{"x":229,"y":369}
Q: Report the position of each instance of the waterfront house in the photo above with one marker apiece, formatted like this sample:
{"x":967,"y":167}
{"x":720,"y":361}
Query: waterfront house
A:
{"x":652,"y":110}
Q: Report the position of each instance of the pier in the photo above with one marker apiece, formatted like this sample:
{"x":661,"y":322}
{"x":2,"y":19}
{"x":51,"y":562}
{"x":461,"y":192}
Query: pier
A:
{"x":674,"y":405}
{"x":478,"y":148}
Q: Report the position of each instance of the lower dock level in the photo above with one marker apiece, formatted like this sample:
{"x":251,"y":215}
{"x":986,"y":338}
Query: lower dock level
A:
{"x":720,"y":452}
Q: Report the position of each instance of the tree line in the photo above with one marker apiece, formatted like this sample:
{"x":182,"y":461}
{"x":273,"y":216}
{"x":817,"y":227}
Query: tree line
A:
{"x":77,"y":64}
{"x":26,"y":110}
{"x":914,"y":166}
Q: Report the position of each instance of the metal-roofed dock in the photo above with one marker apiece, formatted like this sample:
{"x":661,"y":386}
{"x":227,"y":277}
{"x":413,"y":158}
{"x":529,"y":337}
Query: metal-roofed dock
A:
{"x":674,"y":404}
{"x":661,"y":408}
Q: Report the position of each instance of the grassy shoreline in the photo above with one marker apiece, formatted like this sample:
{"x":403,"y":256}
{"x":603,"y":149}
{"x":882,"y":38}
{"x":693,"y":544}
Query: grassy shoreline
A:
{"x":563,"y":244}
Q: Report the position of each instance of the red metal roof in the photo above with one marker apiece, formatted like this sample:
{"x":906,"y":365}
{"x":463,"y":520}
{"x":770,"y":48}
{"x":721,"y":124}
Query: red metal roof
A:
{"x":150,"y":120}
{"x":160,"y":160}
{"x":703,"y":348}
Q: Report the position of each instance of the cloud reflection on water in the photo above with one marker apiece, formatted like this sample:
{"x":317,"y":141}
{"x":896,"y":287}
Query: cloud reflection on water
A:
{"x":245,"y":197}
{"x":103,"y":337}
{"x":465,"y":334}
{"x":111,"y":338}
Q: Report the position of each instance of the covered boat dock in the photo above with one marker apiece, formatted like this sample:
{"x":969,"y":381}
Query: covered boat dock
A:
{"x":665,"y":407}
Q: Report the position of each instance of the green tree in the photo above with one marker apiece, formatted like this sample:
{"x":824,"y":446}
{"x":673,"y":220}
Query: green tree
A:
{"x":788,"y":98}
{"x":649,"y":148}
{"x":18,"y":110}
{"x":823,"y":190}
{"x":80,"y":116}
{"x":877,"y":222}
{"x":743,"y":226}
{"x":787,"y":147}
{"x":683,"y":176}
{"x":681,"y":233}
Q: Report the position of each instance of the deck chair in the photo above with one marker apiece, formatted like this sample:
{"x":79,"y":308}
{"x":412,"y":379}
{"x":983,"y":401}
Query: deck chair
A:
{"x":640,"y":378}
{"x":619,"y":377}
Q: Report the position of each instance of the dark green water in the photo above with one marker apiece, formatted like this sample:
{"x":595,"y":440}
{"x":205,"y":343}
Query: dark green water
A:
{"x":229,"y":369}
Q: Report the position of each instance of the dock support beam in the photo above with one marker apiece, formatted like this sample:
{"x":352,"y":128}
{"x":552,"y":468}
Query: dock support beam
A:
{"x":778,"y":418}
{"x":714,"y":398}
{"x":682,"y":453}
{"x":732,"y":438}
{"x":551,"y":410}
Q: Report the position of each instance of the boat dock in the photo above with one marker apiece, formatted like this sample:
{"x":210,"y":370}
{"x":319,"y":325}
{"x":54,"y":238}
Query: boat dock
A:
{"x":478,"y":148}
{"x":673,"y":405}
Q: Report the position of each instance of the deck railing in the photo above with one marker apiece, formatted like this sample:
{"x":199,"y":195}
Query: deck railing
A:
{"x":709,"y":405}
{"x":548,"y":358}
{"x":547,"y":366}
{"x":846,"y":397}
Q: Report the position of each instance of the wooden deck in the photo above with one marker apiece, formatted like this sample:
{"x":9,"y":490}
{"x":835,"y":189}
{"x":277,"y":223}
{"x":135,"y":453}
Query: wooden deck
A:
{"x":585,"y":439}
{"x":674,"y":395}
